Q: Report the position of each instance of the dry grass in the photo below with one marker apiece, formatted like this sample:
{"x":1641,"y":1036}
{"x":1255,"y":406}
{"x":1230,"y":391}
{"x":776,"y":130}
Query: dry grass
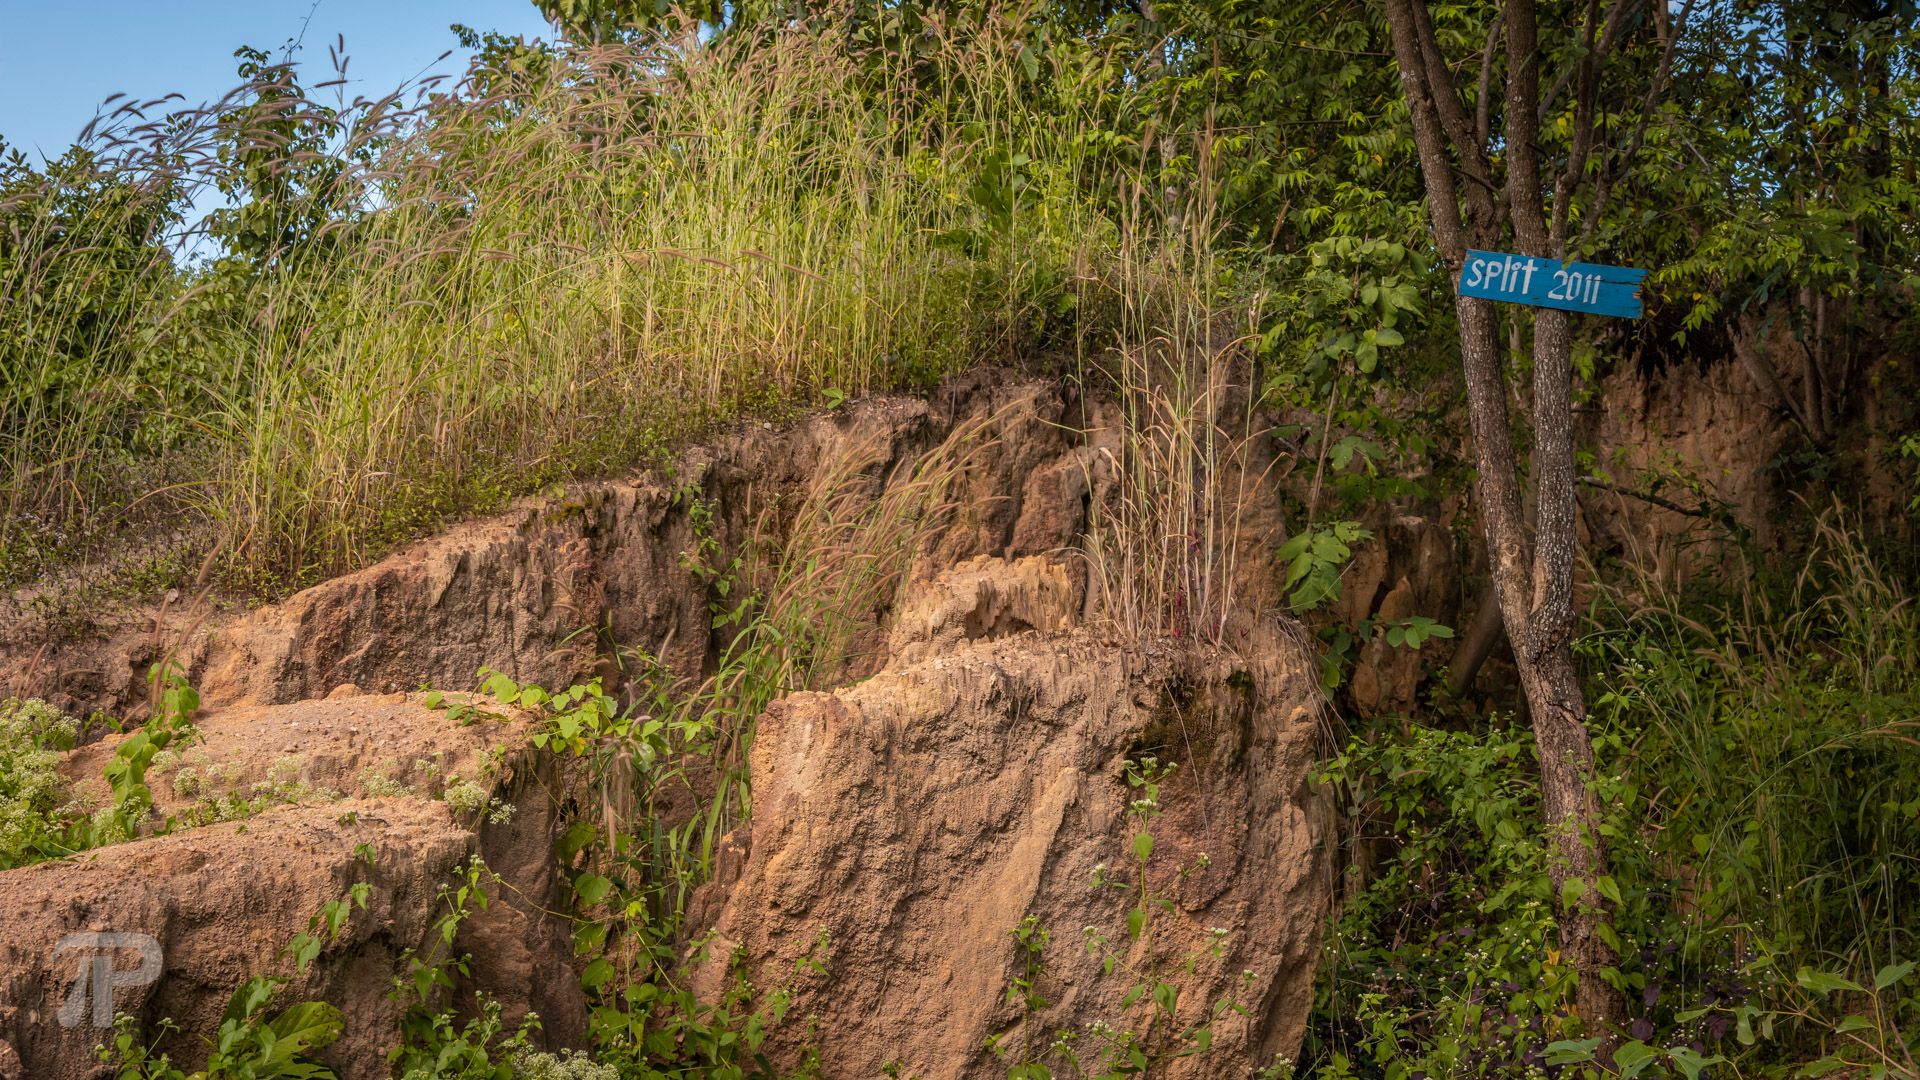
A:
{"x":542,"y":274}
{"x":1165,"y":538}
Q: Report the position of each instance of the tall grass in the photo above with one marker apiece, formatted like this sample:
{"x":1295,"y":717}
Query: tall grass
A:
{"x":419,"y":308}
{"x":1758,"y":770}
{"x":1164,"y":541}
{"x":797,"y":608}
{"x":1777,"y":732}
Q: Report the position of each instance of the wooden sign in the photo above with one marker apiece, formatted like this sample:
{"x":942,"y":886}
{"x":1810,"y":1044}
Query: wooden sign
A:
{"x":1524,"y":279}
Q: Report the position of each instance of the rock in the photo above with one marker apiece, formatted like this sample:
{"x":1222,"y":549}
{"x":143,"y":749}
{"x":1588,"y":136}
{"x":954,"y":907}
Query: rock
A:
{"x":976,"y":776}
{"x":318,"y":751}
{"x":984,"y":597}
{"x":916,"y":819}
{"x":1386,"y":676}
{"x":219,"y":902}
{"x":1053,"y":504}
{"x":538,"y":591}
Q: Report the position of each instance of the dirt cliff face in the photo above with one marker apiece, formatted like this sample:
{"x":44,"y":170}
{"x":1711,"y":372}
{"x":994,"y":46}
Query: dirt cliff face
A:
{"x":539,"y":591}
{"x":973,"y":771}
{"x":912,"y":822}
{"x":347,"y":791}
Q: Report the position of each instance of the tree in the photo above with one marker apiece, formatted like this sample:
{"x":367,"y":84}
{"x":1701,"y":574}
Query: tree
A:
{"x":1532,"y":167}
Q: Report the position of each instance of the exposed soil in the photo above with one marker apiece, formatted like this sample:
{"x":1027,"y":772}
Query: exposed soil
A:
{"x":917,"y":818}
{"x":968,"y":773}
{"x":976,"y":777}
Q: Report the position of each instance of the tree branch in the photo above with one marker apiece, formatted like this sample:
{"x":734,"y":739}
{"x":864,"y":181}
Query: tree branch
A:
{"x":1482,"y":122}
{"x":1645,"y":497}
{"x":1617,"y":166}
{"x":1446,"y":99}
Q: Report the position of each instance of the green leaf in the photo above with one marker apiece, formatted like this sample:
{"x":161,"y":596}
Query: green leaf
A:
{"x":596,"y":974}
{"x":1691,"y":1062}
{"x":1608,"y":888}
{"x":501,"y":687}
{"x":575,"y":840}
{"x":1143,"y":846}
{"x":1571,"y":1051}
{"x":1571,"y":890}
{"x":250,"y":998}
{"x":1824,"y":983}
{"x":591,"y":889}
{"x":303,"y":949}
{"x":1632,"y":1058}
{"x":1891,"y":974}
{"x":1166,"y":996}
{"x":310,"y":1025}
{"x":589,"y":937}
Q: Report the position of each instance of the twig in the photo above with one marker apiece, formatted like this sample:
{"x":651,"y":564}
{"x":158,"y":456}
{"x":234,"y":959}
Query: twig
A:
{"x":1646,"y":497}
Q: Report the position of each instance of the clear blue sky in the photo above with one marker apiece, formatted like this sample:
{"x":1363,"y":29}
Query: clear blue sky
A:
{"x":59,"y":59}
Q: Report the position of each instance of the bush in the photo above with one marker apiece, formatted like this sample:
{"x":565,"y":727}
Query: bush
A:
{"x":32,"y":734}
{"x":1762,"y":804}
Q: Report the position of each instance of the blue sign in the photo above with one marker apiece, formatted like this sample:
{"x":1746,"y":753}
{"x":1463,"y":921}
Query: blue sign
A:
{"x":1523,"y":279}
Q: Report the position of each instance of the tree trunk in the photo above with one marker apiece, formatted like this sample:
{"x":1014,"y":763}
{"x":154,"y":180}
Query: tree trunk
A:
{"x":1532,"y":577}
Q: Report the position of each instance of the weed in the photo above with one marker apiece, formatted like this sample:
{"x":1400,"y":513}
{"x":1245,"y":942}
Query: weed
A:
{"x":1758,"y":788}
{"x":378,"y":782}
{"x":433,"y":1044}
{"x":32,"y":734}
{"x":568,"y":1065}
{"x":251,"y":1043}
{"x":1101,"y":1051}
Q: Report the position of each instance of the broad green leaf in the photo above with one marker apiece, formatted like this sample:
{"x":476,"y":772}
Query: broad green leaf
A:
{"x":1824,"y":983}
{"x":1608,"y":888}
{"x":1632,"y":1058}
{"x":1143,"y":846}
{"x":308,"y":1026}
{"x":596,"y":974}
{"x":1690,"y":1062}
{"x":591,"y":889}
{"x":1571,"y":1051}
{"x":1166,"y":996}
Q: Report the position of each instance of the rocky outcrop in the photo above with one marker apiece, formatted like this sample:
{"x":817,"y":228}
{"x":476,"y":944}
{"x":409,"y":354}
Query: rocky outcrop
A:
{"x":277,"y":812}
{"x":913,"y":821}
{"x":974,"y":775}
{"x":983,"y":597}
{"x":546,"y":589}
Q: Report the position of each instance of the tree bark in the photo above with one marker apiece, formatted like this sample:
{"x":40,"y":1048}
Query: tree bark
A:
{"x":1532,"y":577}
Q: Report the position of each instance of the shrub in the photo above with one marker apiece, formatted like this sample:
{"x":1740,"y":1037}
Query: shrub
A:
{"x":32,"y":733}
{"x":1761,"y":798}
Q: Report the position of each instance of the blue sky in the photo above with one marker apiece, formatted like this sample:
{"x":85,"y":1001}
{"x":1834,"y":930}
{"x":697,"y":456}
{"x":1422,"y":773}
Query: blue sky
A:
{"x":59,"y":59}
